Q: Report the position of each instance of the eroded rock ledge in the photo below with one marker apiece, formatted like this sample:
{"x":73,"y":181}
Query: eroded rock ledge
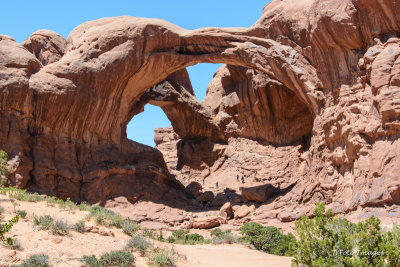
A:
{"x":317,"y":81}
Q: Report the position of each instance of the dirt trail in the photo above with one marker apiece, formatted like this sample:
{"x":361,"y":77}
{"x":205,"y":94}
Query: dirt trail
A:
{"x":228,"y":255}
{"x":66,"y":250}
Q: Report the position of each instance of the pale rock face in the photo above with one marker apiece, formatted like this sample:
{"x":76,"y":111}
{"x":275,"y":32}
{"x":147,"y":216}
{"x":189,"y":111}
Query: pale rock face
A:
{"x":47,"y":46}
{"x":307,"y":102}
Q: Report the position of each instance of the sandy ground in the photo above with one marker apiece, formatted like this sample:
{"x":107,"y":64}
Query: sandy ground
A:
{"x":228,"y":255}
{"x":66,"y":250}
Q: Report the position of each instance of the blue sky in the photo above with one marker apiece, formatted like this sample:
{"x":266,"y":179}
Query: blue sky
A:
{"x":21,"y":18}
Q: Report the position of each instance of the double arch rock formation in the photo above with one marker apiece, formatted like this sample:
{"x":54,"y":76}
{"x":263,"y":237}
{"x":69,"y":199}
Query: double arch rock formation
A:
{"x":325,"y":71}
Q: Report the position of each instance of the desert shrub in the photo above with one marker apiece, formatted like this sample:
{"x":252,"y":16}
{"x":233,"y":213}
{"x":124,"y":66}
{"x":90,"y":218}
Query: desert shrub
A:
{"x":66,"y":205}
{"x":90,"y":261}
{"x":180,"y":234}
{"x":390,"y":245}
{"x":139,"y":243}
{"x":220,"y":237}
{"x":120,"y":258}
{"x":43,"y":222}
{"x":50,"y":200}
{"x":60,"y":228}
{"x":35,"y":261}
{"x":21,"y":213}
{"x":1,"y":210}
{"x":328,"y":240}
{"x":14,"y":244}
{"x":5,"y":228}
{"x":117,"y":258}
{"x":184,"y":237}
{"x":4,"y":190}
{"x":23,"y":195}
{"x":130,"y":227}
{"x":106,"y":217}
{"x":150,"y":233}
{"x":160,"y":236}
{"x":80,"y":227}
{"x":3,"y":163}
{"x":162,"y":257}
{"x":217,"y":232}
{"x":266,"y":238}
{"x":193,"y":239}
{"x":83,"y":206}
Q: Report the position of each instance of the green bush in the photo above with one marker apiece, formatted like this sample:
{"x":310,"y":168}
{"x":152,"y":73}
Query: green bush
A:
{"x":80,"y":227}
{"x":130,"y":227}
{"x":117,"y":258}
{"x":3,"y":163}
{"x":90,"y":261}
{"x":180,"y":234}
{"x":21,"y":213}
{"x":328,"y":240}
{"x":5,"y":228}
{"x":120,"y":258}
{"x":193,"y":239}
{"x":184,"y":237}
{"x":139,"y":243}
{"x":150,"y":233}
{"x":23,"y":195}
{"x":83,"y":206}
{"x":14,"y":244}
{"x":66,"y":205}
{"x":44,"y":222}
{"x":35,"y":261}
{"x":390,"y":245}
{"x":217,"y":232}
{"x":60,"y":228}
{"x":266,"y":238}
{"x":162,"y":258}
{"x":219,"y":237}
{"x":50,"y":200}
{"x":106,"y":217}
{"x":160,"y":236}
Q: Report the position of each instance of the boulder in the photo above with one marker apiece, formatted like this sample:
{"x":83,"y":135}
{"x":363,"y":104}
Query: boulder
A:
{"x":226,"y":211}
{"x":207,"y":222}
{"x":243,"y":211}
{"x":99,"y":230}
{"x":258,"y":193}
{"x":195,"y":188}
{"x":206,"y":196}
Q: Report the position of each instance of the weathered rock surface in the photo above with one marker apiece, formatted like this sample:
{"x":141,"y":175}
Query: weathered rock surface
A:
{"x":243,"y":211}
{"x":47,"y":46}
{"x":346,"y":151}
{"x":308,"y":96}
{"x":207,"y":222}
{"x":206,"y":196}
{"x":195,"y":189}
{"x":226,"y":211}
{"x":258,"y":193}
{"x":99,"y":230}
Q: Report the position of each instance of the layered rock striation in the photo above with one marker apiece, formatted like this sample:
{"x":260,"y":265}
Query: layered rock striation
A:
{"x":308,"y":99}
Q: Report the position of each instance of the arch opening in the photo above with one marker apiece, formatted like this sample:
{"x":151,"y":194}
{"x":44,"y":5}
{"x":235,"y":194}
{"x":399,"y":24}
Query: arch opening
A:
{"x":142,"y":126}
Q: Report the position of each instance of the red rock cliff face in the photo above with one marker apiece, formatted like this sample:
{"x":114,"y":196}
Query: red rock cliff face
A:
{"x":313,"y":83}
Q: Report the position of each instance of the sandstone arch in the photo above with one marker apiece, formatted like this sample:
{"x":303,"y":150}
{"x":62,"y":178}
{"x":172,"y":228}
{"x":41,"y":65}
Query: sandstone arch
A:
{"x":119,"y":59}
{"x":65,"y":103}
